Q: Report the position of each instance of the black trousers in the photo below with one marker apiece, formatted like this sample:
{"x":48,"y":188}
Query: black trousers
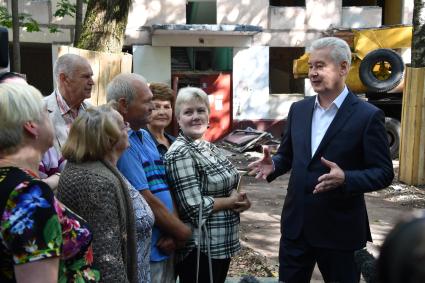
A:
{"x":186,"y":269}
{"x":297,"y":260}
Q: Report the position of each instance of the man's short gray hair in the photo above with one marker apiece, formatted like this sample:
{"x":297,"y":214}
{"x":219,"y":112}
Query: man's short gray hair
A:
{"x":66,"y":64}
{"x":340,"y":51}
{"x":122,"y":87}
{"x":188,"y":94}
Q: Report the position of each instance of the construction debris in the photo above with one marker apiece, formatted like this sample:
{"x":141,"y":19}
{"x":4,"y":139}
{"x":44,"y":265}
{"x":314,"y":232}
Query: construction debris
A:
{"x":248,"y":140}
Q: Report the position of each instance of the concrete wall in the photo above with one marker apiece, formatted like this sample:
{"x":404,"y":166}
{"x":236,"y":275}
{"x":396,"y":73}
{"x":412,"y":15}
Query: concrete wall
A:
{"x":201,"y":40}
{"x":154,"y":63}
{"x":149,"y":12}
{"x":329,"y":15}
{"x":251,"y":83}
{"x":361,"y":17}
{"x":247,"y":12}
{"x":145,"y":13}
{"x":407,"y":12}
{"x":286,"y":38}
{"x":287,"y":17}
{"x":283,"y":26}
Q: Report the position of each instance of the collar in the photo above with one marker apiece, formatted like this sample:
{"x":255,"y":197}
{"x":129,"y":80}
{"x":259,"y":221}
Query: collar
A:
{"x":169,"y":137}
{"x":138,"y":133}
{"x":63,"y":106}
{"x":337,"y":101}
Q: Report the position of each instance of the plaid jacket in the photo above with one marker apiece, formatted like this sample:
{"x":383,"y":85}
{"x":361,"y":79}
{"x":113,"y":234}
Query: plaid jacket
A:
{"x":197,"y":171}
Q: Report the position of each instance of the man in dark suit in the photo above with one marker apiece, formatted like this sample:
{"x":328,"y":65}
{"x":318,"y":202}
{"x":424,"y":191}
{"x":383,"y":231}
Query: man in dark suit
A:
{"x":336,"y":148}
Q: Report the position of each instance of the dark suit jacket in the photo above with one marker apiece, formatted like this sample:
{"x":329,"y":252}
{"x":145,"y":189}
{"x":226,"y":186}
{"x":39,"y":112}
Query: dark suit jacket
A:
{"x":356,"y":140}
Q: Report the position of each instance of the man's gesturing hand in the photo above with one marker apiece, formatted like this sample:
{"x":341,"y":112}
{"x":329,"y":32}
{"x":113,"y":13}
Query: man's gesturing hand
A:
{"x":331,"y":180}
{"x":262,"y":167}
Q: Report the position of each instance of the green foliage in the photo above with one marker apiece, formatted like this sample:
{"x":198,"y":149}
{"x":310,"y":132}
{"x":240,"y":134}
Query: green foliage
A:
{"x":29,"y":24}
{"x":25,"y":20}
{"x":53,"y":28}
{"x":5,"y":17}
{"x":65,"y":8}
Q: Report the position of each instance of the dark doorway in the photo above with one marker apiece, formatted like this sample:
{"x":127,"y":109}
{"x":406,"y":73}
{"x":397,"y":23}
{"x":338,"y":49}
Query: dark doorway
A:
{"x":36,"y":64}
{"x":280,"y":70}
{"x":287,"y":3}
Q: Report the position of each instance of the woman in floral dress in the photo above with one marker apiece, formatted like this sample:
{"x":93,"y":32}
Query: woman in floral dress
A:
{"x":40,"y":239}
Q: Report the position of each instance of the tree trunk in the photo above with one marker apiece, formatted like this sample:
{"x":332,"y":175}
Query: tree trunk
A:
{"x":104,"y":25}
{"x":78,"y":20}
{"x":418,"y":39}
{"x":16,"y":65}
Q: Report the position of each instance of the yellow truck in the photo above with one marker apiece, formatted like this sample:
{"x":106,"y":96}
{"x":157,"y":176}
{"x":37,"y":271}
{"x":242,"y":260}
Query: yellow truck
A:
{"x":376,"y":70}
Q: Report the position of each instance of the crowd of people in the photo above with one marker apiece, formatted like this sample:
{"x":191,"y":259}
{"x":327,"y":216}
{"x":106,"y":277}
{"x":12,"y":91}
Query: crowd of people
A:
{"x":85,"y":193}
{"x":105,"y":194}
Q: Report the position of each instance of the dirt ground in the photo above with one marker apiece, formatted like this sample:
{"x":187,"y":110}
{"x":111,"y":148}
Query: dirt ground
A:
{"x":260,"y":230}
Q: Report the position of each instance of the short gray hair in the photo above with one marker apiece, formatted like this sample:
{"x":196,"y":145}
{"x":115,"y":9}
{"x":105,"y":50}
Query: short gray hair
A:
{"x":19,"y":103}
{"x":340,"y":51}
{"x":66,"y":64}
{"x":188,"y":94}
{"x":122,"y":87}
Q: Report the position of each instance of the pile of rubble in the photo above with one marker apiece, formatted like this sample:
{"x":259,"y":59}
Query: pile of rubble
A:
{"x":250,"y":139}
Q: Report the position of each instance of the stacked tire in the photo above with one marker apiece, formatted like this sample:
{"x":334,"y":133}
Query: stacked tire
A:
{"x":379,"y":86}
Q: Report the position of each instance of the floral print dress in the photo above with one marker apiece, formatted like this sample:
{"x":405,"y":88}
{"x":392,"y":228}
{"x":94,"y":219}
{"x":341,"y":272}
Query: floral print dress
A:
{"x":34,"y":225}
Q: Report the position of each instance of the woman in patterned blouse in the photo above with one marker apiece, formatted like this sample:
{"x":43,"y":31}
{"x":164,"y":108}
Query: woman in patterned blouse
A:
{"x":40,"y":239}
{"x":204,"y":183}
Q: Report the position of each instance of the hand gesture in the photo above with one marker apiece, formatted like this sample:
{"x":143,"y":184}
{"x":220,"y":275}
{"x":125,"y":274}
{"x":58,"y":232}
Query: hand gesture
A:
{"x":331,"y":180}
{"x":262,"y":167}
{"x":243,"y":203}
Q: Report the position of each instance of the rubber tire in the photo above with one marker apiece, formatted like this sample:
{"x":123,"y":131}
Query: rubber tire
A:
{"x":393,"y":132}
{"x":375,"y":56}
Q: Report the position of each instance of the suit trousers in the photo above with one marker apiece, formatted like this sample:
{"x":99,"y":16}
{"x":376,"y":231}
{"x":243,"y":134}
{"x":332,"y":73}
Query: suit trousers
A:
{"x":297,"y":260}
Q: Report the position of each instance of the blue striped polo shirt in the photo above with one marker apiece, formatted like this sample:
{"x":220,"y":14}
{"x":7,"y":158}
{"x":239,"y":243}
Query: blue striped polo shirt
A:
{"x":142,"y":165}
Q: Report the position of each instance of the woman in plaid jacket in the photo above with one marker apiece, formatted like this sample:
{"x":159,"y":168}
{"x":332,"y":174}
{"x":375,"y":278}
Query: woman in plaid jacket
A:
{"x":204,"y":186}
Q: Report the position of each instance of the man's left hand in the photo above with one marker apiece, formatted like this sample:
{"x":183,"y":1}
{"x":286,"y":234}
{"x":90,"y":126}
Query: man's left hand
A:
{"x":166,"y":244}
{"x":331,"y":180}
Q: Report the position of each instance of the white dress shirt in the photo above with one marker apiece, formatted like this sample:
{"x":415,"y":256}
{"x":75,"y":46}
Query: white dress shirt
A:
{"x":322,"y":118}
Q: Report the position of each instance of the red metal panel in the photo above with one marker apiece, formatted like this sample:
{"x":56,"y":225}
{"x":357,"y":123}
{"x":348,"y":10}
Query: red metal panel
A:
{"x":218,"y":88}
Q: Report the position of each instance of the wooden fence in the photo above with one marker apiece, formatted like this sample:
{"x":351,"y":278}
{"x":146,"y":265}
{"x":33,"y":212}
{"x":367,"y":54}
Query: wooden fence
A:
{"x":105,"y":67}
{"x":412,"y":147}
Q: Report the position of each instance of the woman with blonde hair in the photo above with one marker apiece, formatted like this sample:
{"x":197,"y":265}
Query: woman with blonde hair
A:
{"x":204,"y":184}
{"x":92,"y":186}
{"x":41,"y":239}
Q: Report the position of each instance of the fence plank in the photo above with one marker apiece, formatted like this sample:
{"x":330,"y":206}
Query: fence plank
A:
{"x":412,"y":146}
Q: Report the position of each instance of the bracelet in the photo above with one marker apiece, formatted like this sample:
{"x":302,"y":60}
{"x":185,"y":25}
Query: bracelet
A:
{"x":57,"y":174}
